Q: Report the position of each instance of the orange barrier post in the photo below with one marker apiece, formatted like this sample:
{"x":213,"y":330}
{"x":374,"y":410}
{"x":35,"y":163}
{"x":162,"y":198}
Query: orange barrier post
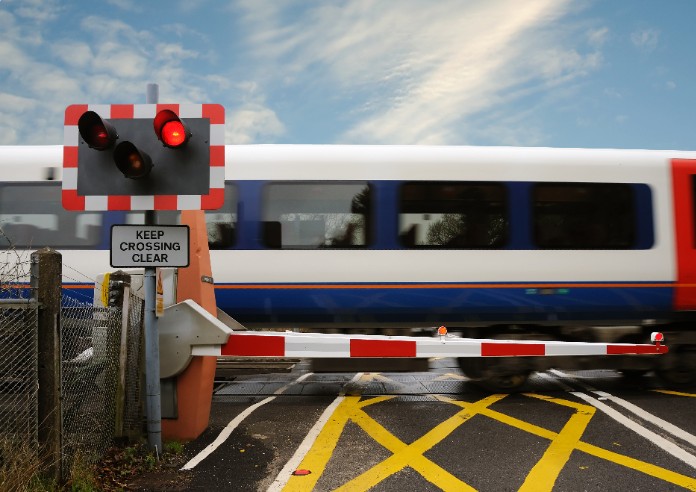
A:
{"x":194,"y":386}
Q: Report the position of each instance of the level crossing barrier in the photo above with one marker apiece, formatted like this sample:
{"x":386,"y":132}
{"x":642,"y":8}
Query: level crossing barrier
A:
{"x":326,"y":345}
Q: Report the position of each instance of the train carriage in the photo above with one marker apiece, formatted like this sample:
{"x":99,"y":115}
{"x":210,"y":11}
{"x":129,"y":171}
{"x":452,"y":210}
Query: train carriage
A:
{"x":571,"y":244}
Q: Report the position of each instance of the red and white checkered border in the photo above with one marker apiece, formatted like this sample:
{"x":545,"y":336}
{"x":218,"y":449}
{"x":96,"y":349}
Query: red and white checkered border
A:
{"x":323,"y":345}
{"x":213,"y":200}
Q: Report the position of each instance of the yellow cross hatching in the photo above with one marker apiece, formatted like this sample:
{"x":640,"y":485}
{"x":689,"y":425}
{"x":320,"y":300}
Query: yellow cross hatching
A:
{"x":676,"y":393}
{"x":541,"y":477}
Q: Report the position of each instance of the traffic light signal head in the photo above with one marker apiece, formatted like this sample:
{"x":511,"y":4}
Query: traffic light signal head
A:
{"x":173,"y":156}
{"x":170,"y":130}
{"x":131,"y":161}
{"x":97,"y":133}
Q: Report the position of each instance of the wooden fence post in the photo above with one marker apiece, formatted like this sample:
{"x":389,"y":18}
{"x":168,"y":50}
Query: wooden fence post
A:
{"x":46,"y":283}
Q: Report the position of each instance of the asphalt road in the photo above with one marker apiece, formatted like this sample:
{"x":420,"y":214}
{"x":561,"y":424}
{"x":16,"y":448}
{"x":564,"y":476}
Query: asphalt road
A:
{"x":435,"y":430}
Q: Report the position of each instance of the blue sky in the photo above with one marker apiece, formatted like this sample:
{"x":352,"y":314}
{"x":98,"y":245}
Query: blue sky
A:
{"x":558,"y":73}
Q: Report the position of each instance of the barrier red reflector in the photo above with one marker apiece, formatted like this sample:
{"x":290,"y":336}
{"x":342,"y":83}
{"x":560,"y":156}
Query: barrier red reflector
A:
{"x":382,"y":348}
{"x":635,"y":349}
{"x":511,"y":349}
{"x":255,"y":346}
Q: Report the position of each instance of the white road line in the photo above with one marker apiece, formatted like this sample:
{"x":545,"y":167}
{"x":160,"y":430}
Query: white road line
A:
{"x":662,"y":424}
{"x":636,"y":410}
{"x":558,"y":382}
{"x":651,"y":436}
{"x":234,"y":423}
{"x":284,"y":476}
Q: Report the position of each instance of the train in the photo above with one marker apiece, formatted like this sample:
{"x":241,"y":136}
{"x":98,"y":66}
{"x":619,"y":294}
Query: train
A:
{"x":493,"y":242}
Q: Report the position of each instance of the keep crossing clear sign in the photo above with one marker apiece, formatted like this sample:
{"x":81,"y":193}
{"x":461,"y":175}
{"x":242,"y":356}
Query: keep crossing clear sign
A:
{"x":138,"y":246}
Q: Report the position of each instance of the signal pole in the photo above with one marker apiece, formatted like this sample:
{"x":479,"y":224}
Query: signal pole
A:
{"x":153,"y":401}
{"x":145,"y":157}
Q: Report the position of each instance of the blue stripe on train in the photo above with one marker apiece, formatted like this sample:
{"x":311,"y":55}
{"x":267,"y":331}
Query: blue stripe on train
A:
{"x":414,"y":304}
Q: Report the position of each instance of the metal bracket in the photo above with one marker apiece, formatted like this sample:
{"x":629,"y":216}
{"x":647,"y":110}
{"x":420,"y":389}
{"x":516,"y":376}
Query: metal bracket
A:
{"x":183,"y":326}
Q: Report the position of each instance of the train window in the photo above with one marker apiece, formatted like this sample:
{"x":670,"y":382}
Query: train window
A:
{"x":31,"y":216}
{"x":221,"y":224}
{"x":583,"y":216}
{"x":304,"y":215}
{"x":453,"y":215}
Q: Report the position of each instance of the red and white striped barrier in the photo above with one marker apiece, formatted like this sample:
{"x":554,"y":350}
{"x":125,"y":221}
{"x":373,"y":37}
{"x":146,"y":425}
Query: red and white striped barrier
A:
{"x":323,"y":345}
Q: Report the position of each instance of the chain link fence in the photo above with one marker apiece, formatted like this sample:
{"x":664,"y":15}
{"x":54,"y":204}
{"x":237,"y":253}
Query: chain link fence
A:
{"x":100,"y":391}
{"x":18,"y":371}
{"x":90,"y":366}
{"x":134,"y":391}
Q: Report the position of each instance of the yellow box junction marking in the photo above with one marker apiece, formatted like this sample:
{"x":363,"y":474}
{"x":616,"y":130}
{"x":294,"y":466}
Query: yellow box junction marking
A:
{"x":541,"y":477}
{"x":676,"y":393}
{"x":549,"y":467}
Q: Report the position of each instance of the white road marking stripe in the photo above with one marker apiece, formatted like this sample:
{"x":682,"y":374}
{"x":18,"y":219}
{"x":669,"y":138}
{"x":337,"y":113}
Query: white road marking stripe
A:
{"x":558,"y":382}
{"x":234,"y":423}
{"x":284,"y":476}
{"x":655,"y":438}
{"x":651,"y":436}
{"x":662,"y":424}
{"x":645,"y":415}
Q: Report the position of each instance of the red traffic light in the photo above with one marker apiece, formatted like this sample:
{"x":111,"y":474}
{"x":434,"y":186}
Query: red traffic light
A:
{"x":170,"y":130}
{"x":97,"y":133}
{"x":131,"y":161}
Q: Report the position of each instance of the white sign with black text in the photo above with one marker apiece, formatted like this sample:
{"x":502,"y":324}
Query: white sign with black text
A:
{"x":135,"y":246}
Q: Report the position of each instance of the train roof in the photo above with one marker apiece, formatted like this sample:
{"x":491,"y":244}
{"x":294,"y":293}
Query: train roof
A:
{"x":417,"y":162}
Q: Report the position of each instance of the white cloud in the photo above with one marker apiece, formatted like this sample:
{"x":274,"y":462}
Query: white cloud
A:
{"x":18,"y":104}
{"x":251,"y":124}
{"x":423,"y":69}
{"x":104,"y":61}
{"x":127,"y":5}
{"x":73,"y":53}
{"x":597,"y":37}
{"x":39,"y":11}
{"x":13,"y":58}
{"x":7,"y":21}
{"x":173,"y":52}
{"x":120,"y":61}
{"x":52,"y":81}
{"x":13,"y":109}
{"x":412,"y":71}
{"x":500,"y":128}
{"x":646,"y":40}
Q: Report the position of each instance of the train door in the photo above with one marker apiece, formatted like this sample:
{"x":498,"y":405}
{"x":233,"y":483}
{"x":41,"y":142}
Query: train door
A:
{"x":684,"y":189}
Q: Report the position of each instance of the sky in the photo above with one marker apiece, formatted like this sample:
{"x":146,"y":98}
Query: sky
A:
{"x":550,"y":73}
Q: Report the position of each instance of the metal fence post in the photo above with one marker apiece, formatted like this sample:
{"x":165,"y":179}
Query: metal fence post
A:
{"x":119,"y":296}
{"x":46,"y":274}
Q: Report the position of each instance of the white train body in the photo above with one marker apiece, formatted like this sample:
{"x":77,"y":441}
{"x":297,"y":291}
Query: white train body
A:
{"x":345,"y":236}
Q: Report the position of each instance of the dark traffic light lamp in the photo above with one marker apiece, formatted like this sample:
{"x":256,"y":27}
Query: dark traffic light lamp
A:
{"x":97,"y":133}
